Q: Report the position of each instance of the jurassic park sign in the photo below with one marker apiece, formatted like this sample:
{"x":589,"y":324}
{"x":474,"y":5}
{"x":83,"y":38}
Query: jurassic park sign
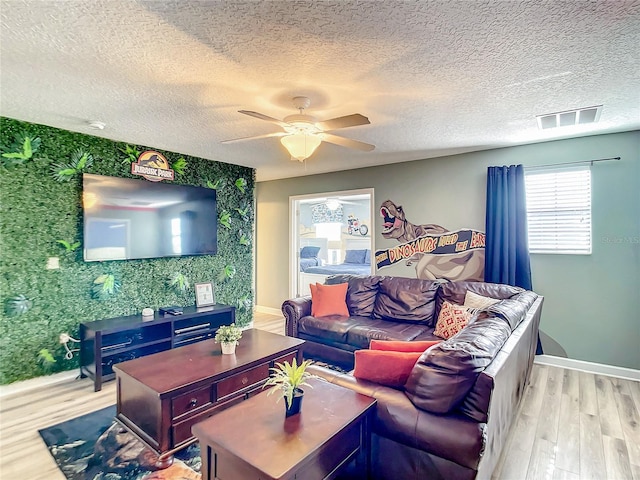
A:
{"x":153,"y":166}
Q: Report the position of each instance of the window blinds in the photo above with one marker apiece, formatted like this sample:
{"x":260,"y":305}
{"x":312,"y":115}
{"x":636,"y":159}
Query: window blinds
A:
{"x":559,"y":209}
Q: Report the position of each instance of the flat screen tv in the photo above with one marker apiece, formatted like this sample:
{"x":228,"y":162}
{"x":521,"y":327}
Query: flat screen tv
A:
{"x":128,"y":219}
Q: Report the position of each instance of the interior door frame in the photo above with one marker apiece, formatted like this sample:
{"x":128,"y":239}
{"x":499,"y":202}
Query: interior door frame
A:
{"x":294,"y":214}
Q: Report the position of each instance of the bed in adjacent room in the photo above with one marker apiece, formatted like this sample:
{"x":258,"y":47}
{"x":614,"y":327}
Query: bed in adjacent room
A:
{"x":357,"y":261}
{"x":309,"y":258}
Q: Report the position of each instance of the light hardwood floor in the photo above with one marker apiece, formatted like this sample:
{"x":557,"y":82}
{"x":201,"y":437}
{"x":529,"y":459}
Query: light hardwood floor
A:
{"x":571,"y":425}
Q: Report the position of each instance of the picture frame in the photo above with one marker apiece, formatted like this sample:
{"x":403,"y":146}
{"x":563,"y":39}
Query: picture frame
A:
{"x":205,"y":294}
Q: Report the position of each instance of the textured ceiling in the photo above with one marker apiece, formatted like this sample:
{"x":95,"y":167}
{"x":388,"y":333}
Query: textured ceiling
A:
{"x":434,"y":78}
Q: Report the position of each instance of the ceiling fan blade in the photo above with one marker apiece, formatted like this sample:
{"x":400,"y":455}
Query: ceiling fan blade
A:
{"x":343,"y":122}
{"x":264,"y":117}
{"x":266,"y":135}
{"x":347,"y":142}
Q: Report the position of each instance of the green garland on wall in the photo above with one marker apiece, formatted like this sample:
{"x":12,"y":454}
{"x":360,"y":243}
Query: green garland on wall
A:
{"x":41,"y":217}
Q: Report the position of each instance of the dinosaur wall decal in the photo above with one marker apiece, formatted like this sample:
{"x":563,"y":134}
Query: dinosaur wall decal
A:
{"x":438,"y":253}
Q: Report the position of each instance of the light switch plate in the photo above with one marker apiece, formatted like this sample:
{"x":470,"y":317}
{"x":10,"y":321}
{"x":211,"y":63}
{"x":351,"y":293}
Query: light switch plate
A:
{"x":53,"y":263}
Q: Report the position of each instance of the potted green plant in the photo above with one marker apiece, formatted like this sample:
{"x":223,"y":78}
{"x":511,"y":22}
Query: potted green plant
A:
{"x":227,"y":336}
{"x":288,"y":378}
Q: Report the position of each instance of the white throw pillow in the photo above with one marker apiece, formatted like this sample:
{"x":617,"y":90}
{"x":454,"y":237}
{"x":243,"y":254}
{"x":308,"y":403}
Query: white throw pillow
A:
{"x":478,"y":302}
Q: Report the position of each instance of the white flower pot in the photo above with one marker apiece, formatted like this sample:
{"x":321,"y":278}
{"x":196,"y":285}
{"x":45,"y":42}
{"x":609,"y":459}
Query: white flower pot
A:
{"x":228,"y":348}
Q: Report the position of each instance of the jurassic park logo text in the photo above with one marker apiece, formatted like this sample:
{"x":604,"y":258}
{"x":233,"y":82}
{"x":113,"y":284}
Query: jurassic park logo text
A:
{"x":153,"y":166}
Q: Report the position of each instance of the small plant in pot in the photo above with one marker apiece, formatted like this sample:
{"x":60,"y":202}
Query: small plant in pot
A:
{"x":227,"y":336}
{"x":288,"y":378}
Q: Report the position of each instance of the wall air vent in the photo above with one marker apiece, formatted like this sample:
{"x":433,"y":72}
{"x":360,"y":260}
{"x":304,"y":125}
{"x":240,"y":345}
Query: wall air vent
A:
{"x":570,"y":117}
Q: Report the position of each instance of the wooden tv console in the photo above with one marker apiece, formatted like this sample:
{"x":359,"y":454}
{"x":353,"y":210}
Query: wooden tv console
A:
{"x":103,"y":343}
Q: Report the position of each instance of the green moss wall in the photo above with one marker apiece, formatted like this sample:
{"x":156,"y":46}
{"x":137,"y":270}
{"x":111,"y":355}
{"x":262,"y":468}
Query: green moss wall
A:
{"x":36,"y":211}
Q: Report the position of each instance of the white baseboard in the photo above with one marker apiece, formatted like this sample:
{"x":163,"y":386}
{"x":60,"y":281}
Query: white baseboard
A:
{"x":269,"y":310}
{"x":590,"y":367}
{"x":26,"y":385}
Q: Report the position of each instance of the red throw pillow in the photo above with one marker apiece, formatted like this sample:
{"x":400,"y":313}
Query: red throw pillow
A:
{"x":329,"y":300}
{"x":451,"y":320}
{"x":401,"y":346}
{"x":386,"y":368}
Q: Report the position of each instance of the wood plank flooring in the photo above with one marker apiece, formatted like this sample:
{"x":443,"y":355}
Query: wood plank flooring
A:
{"x":571,"y":425}
{"x":574,"y":425}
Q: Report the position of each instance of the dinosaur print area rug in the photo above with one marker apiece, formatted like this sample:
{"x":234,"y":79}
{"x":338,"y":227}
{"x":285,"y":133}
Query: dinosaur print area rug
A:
{"x":96,"y":447}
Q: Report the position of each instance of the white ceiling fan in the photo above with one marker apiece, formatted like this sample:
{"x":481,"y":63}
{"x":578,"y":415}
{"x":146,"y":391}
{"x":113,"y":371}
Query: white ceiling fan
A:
{"x":332,"y":203}
{"x":303,"y":133}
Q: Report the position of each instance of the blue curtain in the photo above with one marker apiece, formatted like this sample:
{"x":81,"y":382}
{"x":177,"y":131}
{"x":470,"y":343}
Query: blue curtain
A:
{"x":507,"y":248}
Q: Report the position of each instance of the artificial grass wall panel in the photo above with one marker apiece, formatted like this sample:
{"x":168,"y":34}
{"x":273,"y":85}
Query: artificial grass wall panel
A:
{"x":36,"y":211}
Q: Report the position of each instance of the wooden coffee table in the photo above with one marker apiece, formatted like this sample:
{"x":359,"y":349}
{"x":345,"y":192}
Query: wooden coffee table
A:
{"x":160,"y":396}
{"x":253,"y":440}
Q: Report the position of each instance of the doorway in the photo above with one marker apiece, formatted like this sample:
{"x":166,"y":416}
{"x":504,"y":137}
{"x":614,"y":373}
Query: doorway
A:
{"x":330,"y":233}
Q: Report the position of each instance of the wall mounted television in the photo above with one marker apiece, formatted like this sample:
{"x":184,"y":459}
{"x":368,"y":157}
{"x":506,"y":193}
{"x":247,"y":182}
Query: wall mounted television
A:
{"x":127,"y":219}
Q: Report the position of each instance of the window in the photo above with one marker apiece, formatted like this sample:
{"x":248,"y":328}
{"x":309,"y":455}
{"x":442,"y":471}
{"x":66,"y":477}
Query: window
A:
{"x":330,"y":231}
{"x":559,"y":209}
{"x":176,"y":236}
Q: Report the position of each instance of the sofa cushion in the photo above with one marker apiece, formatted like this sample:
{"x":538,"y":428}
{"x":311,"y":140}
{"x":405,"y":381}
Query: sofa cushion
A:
{"x":446,"y":372}
{"x":332,"y":328}
{"x":402,"y":346}
{"x":455,"y":292}
{"x":384,"y":367}
{"x":406,"y":300}
{"x":361,"y":335}
{"x":451,"y":320}
{"x":514,"y":309}
{"x":454,"y":437}
{"x":478,"y":302}
{"x":329,"y":300}
{"x":361,"y":294}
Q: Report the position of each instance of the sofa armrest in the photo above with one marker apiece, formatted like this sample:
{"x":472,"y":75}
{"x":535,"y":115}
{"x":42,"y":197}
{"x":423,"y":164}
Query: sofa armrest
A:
{"x":293,"y":310}
{"x":454,"y":437}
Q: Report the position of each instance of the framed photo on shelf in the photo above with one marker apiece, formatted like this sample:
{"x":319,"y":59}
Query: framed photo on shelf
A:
{"x":205,"y":295}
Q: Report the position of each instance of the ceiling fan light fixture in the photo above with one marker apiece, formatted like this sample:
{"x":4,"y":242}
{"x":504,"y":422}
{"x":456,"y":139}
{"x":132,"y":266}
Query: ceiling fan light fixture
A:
{"x":301,"y":145}
{"x":303,"y":133}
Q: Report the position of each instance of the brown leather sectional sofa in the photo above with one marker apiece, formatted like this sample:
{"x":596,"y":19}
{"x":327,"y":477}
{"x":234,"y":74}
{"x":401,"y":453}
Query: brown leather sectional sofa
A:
{"x":452,"y":418}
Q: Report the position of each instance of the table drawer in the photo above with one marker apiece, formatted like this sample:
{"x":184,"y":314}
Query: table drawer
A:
{"x":182,"y":430}
{"x":342,"y":447}
{"x":191,"y":401}
{"x":242,"y":380}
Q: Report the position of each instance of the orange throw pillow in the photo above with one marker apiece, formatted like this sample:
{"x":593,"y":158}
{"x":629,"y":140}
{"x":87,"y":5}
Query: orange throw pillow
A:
{"x":402,"y":346}
{"x":451,"y":320}
{"x":329,"y":300}
{"x":386,"y":368}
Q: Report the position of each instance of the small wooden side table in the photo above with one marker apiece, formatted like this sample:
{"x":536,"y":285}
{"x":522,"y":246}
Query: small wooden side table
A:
{"x":254,"y":441}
